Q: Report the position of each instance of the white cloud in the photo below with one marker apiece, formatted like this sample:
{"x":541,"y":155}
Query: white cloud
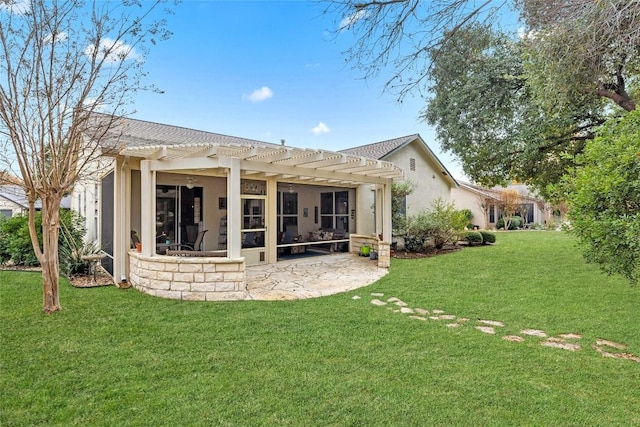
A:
{"x":348,"y":21}
{"x":320,"y":129}
{"x":260,"y":95}
{"x":114,"y":51}
{"x":18,"y":7}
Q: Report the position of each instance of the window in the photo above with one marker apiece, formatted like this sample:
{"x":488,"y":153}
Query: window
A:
{"x":412,"y":164}
{"x":526,"y":212}
{"x":287,"y":211}
{"x":334,"y":210}
{"x":6,"y":213}
{"x":492,"y":213}
{"x":402,"y":211}
{"x":253,"y":225}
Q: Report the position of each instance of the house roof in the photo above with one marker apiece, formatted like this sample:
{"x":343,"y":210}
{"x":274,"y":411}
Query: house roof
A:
{"x":494,"y":193}
{"x":144,"y":133}
{"x":155,"y":141}
{"x":15,"y":194}
{"x":383,"y":149}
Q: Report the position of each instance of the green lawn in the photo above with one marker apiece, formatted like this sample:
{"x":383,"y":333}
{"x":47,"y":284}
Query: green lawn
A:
{"x":118,"y":357}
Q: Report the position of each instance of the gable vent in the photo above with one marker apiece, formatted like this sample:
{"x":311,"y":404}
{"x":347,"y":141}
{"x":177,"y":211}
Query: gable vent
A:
{"x":412,"y":164}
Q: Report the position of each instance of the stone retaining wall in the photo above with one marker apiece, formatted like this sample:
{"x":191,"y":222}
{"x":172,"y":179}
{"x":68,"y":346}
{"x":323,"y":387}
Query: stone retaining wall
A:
{"x":195,"y":279}
{"x":383,"y":248}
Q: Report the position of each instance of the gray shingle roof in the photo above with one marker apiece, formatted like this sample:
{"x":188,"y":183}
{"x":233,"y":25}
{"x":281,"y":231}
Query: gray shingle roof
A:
{"x":378,"y":150}
{"x":16,"y":195}
{"x":136,"y":132}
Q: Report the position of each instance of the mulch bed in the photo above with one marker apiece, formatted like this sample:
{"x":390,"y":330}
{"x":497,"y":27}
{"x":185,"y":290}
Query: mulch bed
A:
{"x":78,"y":281}
{"x":427,"y":253}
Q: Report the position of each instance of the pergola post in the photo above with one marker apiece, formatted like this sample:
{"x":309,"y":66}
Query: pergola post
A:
{"x":379,"y":210}
{"x":271,"y":239}
{"x":387,"y":217}
{"x":148,"y":208}
{"x":234,"y":210}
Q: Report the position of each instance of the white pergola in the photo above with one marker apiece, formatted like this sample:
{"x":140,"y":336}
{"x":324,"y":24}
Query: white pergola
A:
{"x":271,"y":163}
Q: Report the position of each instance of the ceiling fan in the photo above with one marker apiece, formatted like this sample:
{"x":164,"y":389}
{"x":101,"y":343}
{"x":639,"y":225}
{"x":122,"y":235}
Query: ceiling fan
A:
{"x":188,"y":181}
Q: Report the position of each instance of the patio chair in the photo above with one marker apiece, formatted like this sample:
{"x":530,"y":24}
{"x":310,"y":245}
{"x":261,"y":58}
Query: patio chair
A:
{"x":197,"y":246}
{"x":134,"y":239}
{"x":249,"y":240}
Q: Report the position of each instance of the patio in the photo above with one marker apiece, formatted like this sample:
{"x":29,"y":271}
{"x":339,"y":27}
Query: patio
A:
{"x":311,"y":277}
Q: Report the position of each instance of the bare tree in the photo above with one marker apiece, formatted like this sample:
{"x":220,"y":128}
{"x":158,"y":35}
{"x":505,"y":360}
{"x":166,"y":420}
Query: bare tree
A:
{"x":62,"y":61}
{"x":401,"y":33}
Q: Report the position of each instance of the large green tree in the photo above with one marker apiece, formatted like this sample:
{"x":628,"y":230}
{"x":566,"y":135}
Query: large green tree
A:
{"x":605,"y":197}
{"x":485,"y":112}
{"x":507,"y":106}
{"x":61,"y":61}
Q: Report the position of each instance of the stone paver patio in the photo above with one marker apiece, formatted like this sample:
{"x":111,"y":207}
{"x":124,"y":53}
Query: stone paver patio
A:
{"x":311,"y":277}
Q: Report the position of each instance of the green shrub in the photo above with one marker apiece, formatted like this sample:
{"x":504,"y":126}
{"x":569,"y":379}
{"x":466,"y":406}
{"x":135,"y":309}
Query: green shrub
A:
{"x":15,"y":241}
{"x":487,"y":237}
{"x":604,"y":198}
{"x":473,"y":238}
{"x":413,"y":243}
{"x":442,"y":223}
{"x":515,"y":224}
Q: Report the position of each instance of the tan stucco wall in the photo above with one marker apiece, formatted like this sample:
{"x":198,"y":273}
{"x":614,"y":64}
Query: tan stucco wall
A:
{"x":428,"y":179}
{"x":466,"y":199}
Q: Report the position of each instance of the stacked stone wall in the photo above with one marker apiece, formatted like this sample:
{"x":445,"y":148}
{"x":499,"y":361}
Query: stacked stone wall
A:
{"x":382,"y":248}
{"x":192,"y":278}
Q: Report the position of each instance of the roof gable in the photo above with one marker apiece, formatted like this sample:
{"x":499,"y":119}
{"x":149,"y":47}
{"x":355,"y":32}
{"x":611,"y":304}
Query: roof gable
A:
{"x":383,"y":149}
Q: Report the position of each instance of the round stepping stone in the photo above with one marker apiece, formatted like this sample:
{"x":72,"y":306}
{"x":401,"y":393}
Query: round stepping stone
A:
{"x":452,"y":325}
{"x":570,"y":336}
{"x":422,"y":311}
{"x":355,"y":297}
{"x":513,"y":338}
{"x":378,"y":302}
{"x":406,"y":310}
{"x":418,"y":318}
{"x":612,"y":344}
{"x":491,"y":323}
{"x":377,"y":294}
{"x":560,"y":344}
{"x":437,"y":311}
{"x":486,"y":329}
{"x":447,"y":316}
{"x":534,"y":333}
{"x":397,"y":301}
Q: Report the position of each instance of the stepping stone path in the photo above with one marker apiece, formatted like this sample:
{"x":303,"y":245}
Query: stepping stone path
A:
{"x":566,"y":341}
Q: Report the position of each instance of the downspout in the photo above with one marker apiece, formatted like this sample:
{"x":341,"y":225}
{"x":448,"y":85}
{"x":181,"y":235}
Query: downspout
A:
{"x":123,"y":222}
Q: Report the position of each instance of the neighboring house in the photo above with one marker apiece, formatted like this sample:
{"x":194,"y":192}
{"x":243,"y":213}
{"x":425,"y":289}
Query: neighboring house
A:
{"x":14,"y":202}
{"x":420,"y":165}
{"x":484,"y":204}
{"x":250,"y":200}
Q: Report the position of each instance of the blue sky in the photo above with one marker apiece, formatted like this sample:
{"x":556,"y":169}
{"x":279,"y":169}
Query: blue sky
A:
{"x":271,"y":70}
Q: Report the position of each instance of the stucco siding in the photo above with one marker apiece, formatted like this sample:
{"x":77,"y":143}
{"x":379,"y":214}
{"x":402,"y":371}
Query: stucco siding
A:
{"x":428,"y":179}
{"x":465,"y":199}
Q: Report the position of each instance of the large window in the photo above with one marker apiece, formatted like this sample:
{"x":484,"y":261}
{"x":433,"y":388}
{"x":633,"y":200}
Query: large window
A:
{"x":334,"y":210}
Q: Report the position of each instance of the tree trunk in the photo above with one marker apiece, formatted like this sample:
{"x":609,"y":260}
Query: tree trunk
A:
{"x":48,"y":256}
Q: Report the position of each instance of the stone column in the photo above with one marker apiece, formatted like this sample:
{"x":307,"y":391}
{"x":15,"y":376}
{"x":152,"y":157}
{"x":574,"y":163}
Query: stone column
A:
{"x":384,"y":254}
